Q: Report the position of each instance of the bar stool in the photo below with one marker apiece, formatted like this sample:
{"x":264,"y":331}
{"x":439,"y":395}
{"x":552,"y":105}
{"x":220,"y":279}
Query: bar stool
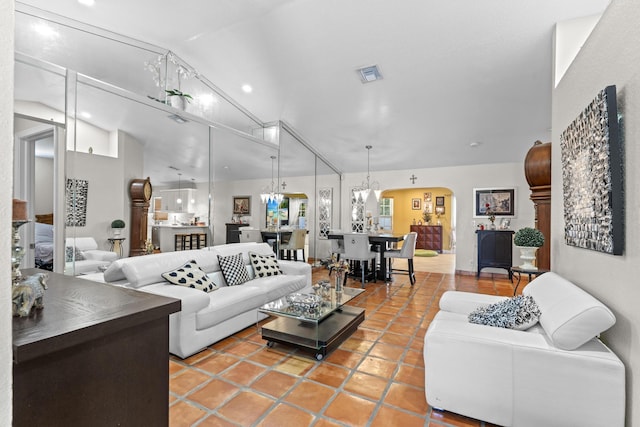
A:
{"x":198,"y":240}
{"x":182,"y":242}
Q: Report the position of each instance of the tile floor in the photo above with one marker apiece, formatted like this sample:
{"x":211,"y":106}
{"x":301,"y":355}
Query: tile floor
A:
{"x":375,"y":378}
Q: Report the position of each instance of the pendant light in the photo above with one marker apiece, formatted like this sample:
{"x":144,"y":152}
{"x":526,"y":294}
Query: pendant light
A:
{"x":269,"y":196}
{"x":179,"y":199}
{"x":369,"y":186}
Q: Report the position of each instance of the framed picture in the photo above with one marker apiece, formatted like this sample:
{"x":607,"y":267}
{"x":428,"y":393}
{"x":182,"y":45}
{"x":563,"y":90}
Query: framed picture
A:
{"x":242,"y":205}
{"x":439,"y":210}
{"x":440,"y":201}
{"x":415,"y":204}
{"x":501,"y":201}
{"x":427,"y":197}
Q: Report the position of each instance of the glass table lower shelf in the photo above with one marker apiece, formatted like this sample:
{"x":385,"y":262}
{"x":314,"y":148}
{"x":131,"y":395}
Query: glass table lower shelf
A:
{"x":315,"y":323}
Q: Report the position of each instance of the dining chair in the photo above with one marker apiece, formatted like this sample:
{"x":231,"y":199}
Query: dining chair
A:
{"x":407,"y":251}
{"x":249,"y":234}
{"x":337,"y":245}
{"x":294,"y":244}
{"x":358,"y":249}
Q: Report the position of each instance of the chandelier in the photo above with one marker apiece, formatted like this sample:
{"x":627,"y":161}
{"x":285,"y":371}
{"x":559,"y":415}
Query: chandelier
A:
{"x":271,"y":195}
{"x":368,"y":187}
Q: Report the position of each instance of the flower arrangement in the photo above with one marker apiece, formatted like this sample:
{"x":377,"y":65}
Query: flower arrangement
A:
{"x":426,"y":216}
{"x":340,"y":267}
{"x":177,"y":92}
{"x":489,"y":212}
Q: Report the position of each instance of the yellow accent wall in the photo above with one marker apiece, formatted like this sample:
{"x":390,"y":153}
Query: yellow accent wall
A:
{"x":404,"y":214}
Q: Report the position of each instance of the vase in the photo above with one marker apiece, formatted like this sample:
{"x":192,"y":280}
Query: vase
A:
{"x":17,"y":252}
{"x":178,"y":102}
{"x":338,"y":279}
{"x":528,"y":254}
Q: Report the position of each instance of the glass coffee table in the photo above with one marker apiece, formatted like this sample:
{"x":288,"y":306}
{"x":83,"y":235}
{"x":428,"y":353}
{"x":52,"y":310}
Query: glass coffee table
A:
{"x":312,"y":322}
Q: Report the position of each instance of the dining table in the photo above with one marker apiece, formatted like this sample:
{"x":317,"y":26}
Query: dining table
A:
{"x":382,"y":241}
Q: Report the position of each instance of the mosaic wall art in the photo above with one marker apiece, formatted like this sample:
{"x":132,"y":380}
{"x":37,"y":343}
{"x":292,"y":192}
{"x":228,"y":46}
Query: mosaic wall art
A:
{"x":325,"y":200}
{"x":76,"y":202}
{"x":592,"y":177}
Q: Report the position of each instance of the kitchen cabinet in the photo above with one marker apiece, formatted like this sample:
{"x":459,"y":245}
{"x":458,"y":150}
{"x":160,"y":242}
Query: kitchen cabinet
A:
{"x":167,"y":200}
{"x":428,"y":237}
{"x":163,"y":236}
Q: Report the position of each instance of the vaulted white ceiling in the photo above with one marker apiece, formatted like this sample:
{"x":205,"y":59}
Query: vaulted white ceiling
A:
{"x":455,"y":72}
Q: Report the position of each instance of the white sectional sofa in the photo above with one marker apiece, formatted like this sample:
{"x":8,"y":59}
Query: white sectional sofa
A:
{"x":208,"y":317}
{"x":556,"y":373}
{"x":87,"y":258}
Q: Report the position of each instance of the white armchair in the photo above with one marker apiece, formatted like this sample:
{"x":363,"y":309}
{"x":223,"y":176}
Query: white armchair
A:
{"x":83,"y":256}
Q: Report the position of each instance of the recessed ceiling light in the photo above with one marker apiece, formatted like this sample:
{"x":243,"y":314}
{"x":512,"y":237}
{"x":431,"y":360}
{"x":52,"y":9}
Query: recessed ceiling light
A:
{"x":369,"y":74}
{"x":87,"y":2}
{"x":247,"y":88}
{"x":475,"y":144}
{"x":45,"y":30}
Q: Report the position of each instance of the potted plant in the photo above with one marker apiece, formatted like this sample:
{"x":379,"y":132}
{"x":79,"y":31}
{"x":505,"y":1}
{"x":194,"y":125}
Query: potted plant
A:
{"x":178,"y":99}
{"x":427,"y":217}
{"x":528,"y":240}
{"x":117,"y":225}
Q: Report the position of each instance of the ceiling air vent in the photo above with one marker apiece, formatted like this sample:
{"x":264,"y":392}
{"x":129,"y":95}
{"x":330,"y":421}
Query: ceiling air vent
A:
{"x":369,"y":74}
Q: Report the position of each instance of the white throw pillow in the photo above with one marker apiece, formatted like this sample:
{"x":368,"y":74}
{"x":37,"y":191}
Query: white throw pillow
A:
{"x":264,"y":265}
{"x":191,"y":276}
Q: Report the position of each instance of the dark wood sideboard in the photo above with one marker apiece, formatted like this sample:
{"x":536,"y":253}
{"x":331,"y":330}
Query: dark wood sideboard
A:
{"x":495,"y":249}
{"x":428,"y":237}
{"x":96,"y":355}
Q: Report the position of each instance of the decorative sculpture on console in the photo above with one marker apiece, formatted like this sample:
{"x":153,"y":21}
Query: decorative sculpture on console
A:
{"x":29,"y":293}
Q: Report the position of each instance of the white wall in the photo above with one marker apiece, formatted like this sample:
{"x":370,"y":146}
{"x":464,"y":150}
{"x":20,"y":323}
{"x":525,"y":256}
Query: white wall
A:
{"x":609,"y":57}
{"x":461,"y":180}
{"x":44,"y":186}
{"x":6,"y":178}
{"x":569,"y":38}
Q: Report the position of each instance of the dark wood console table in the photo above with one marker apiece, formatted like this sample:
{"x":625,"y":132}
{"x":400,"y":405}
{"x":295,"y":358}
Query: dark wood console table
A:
{"x":428,"y":237}
{"x":95,"y":355}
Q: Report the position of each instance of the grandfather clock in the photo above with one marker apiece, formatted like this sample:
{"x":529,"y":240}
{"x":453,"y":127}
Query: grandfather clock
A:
{"x":537,"y":169}
{"x":140,"y":193}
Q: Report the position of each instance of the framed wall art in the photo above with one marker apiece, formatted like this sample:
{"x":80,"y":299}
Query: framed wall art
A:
{"x":76,"y":202}
{"x":592,"y":177}
{"x":415,"y":204}
{"x":242,"y":205}
{"x":439,"y":200}
{"x":501,"y":201}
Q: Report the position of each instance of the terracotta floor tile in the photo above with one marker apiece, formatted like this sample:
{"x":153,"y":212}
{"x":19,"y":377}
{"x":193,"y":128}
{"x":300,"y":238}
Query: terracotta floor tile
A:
{"x":175,"y":367}
{"x":186,"y":380}
{"x":357,"y":345}
{"x":191,"y":360}
{"x":344,"y":358}
{"x":326,"y":423}
{"x":390,"y":417}
{"x":366,"y":334}
{"x":268,"y":356}
{"x":351,"y":410}
{"x":395,"y":339}
{"x":375,"y":324}
{"x":242,"y":349}
{"x":251,"y":330}
{"x":378,"y":367}
{"x":181,"y":414}
{"x":412,"y":375}
{"x":407,"y":397}
{"x":366,"y":385}
{"x":454,"y":419}
{"x":310,"y":396}
{"x":387,"y":351}
{"x":287,"y":415}
{"x":414,"y":357}
{"x":329,"y":374}
{"x":296,"y":365}
{"x":215,"y":421}
{"x":172,"y":399}
{"x":244,"y":373}
{"x":245,"y":408}
{"x":402,"y":328}
{"x":214,"y":394}
{"x":223,"y":344}
{"x":217,"y":363}
{"x":274,"y":383}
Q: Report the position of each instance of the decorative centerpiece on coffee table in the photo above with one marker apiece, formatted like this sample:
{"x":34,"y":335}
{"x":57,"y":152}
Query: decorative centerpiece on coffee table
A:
{"x":528,"y":240}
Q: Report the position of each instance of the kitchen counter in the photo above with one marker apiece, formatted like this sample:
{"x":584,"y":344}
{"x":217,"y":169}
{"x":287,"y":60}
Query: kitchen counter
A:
{"x":163,"y":236}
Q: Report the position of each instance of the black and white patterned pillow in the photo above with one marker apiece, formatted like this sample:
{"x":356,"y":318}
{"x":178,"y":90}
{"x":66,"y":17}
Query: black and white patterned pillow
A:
{"x":520,"y":312}
{"x":72,"y":253}
{"x":191,"y":276}
{"x":233,"y":269}
{"x":264,"y":265}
